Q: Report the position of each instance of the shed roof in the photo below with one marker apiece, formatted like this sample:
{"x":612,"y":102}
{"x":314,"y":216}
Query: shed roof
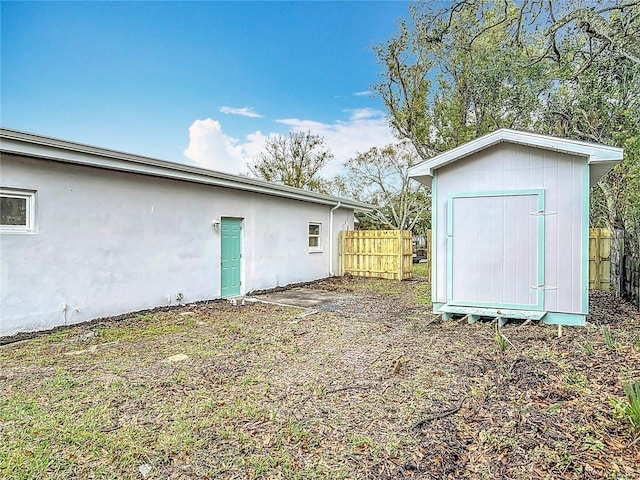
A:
{"x":48,"y":148}
{"x":600,"y":158}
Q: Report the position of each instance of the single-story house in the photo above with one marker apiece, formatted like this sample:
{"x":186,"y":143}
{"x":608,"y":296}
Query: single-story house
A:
{"x":88,"y":232}
{"x":510,"y":225}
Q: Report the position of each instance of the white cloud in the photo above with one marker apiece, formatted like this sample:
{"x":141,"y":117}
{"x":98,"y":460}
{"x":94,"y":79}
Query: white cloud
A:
{"x":210,"y":147}
{"x":244,"y":111}
{"x":365,"y":113}
{"x":365,"y":93}
{"x":364,"y":129}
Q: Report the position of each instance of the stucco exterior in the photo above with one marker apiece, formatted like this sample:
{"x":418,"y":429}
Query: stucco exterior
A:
{"x":107,"y":242}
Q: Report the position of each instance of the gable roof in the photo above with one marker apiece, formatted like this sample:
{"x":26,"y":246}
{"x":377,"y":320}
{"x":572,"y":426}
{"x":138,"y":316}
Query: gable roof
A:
{"x":48,"y":148}
{"x":600,"y":158}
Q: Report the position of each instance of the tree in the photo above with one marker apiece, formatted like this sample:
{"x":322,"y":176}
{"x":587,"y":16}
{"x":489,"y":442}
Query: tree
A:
{"x":456,"y":74}
{"x":450,"y":75}
{"x":380,"y":176}
{"x":580,"y":32}
{"x":294,"y":159}
{"x":603,"y":105}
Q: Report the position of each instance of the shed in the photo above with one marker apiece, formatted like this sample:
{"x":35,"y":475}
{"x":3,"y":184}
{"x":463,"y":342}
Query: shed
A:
{"x":510,"y":225}
{"x":88,"y":232}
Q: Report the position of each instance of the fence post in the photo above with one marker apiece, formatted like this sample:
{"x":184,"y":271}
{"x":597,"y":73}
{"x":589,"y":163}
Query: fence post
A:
{"x":617,"y":259}
{"x":400,"y":240}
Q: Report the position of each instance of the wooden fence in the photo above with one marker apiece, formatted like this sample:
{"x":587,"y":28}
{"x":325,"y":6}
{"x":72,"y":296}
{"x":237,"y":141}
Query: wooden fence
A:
{"x":599,"y":259}
{"x":376,"y":253}
{"x":625,"y":265}
{"x":388,"y":254}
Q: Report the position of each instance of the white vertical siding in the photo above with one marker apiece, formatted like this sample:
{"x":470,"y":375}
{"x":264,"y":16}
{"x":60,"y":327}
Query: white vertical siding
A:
{"x":509,"y":166}
{"x":495,"y":240}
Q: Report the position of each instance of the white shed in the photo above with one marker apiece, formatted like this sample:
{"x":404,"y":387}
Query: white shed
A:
{"x":510,"y":226}
{"x":87,"y":232}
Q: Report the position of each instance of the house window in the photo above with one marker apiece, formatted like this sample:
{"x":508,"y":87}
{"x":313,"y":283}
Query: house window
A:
{"x":314,"y":237}
{"x":16,"y":210}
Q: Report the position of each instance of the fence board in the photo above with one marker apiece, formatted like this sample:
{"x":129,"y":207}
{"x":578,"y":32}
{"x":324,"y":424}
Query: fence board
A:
{"x":381,"y":253}
{"x":376,"y":253}
{"x":599,"y":259}
{"x":625,"y":259}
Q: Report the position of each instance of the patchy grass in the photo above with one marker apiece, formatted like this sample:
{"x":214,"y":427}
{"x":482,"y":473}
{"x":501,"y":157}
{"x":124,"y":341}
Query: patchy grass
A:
{"x":421,"y":270}
{"x":372,"y":389}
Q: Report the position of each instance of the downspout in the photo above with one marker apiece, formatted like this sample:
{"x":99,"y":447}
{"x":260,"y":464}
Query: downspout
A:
{"x":331,"y":273}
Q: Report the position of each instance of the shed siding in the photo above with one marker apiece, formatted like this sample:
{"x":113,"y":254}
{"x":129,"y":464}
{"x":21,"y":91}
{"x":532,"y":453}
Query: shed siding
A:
{"x":509,"y":166}
{"x":110,"y":242}
{"x":495,"y":250}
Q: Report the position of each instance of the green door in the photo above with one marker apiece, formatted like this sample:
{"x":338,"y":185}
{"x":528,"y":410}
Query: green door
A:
{"x":230,"y":229}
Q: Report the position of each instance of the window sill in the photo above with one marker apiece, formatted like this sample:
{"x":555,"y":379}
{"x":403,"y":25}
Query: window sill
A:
{"x":23,"y":232}
{"x":315,"y":251}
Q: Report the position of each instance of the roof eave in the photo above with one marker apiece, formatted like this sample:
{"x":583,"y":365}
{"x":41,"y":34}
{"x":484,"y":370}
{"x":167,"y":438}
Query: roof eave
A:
{"x":595,"y":153}
{"x":27,"y":144}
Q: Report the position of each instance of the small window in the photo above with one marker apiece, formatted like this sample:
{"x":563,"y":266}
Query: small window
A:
{"x":314,"y":237}
{"x":16,"y":210}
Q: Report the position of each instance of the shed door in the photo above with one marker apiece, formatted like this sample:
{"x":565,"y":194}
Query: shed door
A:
{"x":230,"y":229}
{"x":495,"y":254}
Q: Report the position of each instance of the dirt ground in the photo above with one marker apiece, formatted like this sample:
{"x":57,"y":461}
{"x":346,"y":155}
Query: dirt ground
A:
{"x":359,"y":383}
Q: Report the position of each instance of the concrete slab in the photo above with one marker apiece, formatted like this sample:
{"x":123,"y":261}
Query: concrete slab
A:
{"x":305,"y":297}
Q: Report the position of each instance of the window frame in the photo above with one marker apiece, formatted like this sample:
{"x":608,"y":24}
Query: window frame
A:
{"x":318,"y":248}
{"x":30,"y":197}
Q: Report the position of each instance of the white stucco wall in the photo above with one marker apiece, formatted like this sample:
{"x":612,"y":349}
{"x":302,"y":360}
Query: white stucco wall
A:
{"x":109,"y":242}
{"x":508,"y":166}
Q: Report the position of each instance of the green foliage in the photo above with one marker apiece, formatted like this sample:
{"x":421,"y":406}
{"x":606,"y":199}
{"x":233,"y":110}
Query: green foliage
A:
{"x":380,"y":176}
{"x":294,"y":160}
{"x":569,"y":69}
{"x":500,"y":340}
{"x":602,"y":105}
{"x":632,"y":410}
{"x":456,"y":74}
{"x":576,"y":380}
{"x":609,"y":341}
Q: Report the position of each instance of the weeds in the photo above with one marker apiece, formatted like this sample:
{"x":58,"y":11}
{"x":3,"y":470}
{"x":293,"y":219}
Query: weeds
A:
{"x":500,"y":340}
{"x":361,"y":442}
{"x":253,"y":400}
{"x":632,"y":410}
{"x":576,"y":380}
{"x":588,"y":348}
{"x":609,"y":341}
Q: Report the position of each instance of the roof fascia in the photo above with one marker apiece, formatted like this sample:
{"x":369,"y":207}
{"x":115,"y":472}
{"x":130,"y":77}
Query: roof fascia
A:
{"x":595,"y":153}
{"x":21,"y":143}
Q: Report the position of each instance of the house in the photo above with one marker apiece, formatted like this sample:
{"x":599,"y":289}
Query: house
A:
{"x":510,"y":226}
{"x":88,"y":232}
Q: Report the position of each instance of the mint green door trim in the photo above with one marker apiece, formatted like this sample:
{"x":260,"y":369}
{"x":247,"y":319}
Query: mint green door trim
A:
{"x":230,"y":256}
{"x":539,"y":192}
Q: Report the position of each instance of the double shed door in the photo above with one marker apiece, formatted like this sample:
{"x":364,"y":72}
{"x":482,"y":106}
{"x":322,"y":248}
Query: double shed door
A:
{"x":495,"y":249}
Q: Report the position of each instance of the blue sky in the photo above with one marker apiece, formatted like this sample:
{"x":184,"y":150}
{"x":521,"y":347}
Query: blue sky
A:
{"x":196,"y":82}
